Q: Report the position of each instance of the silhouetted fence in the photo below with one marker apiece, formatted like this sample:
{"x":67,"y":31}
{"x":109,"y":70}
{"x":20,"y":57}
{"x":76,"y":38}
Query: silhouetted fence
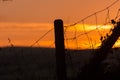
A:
{"x":60,"y":50}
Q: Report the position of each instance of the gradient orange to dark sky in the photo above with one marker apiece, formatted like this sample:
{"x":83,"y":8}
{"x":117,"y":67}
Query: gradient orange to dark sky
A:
{"x":24,"y":21}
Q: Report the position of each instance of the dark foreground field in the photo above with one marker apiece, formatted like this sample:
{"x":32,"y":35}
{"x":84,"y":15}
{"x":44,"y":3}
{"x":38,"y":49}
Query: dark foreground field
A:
{"x":25,"y":63}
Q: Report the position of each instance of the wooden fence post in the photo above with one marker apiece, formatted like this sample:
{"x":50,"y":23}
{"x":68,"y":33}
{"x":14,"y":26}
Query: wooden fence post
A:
{"x":60,"y":50}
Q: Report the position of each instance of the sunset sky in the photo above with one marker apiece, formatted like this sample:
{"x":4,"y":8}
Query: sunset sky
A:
{"x":22,"y":22}
{"x":45,"y":11}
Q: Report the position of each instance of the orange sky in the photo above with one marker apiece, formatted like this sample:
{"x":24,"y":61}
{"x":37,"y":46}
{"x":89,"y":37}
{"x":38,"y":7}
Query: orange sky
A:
{"x":25,"y":21}
{"x":48,"y":10}
{"x":26,"y":34}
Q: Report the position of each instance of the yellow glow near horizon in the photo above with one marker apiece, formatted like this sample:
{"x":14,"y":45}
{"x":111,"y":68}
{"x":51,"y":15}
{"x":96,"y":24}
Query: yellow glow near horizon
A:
{"x":25,"y":34}
{"x":88,"y":27}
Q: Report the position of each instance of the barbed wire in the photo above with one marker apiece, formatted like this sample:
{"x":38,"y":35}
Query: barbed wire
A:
{"x":82,"y":20}
{"x":117,"y":15}
{"x":76,"y":35}
{"x":85,"y":33}
{"x":107,"y":8}
{"x":41,"y":37}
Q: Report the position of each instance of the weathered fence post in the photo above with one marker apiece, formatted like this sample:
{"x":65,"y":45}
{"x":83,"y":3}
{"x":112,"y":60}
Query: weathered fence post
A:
{"x":60,"y":50}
